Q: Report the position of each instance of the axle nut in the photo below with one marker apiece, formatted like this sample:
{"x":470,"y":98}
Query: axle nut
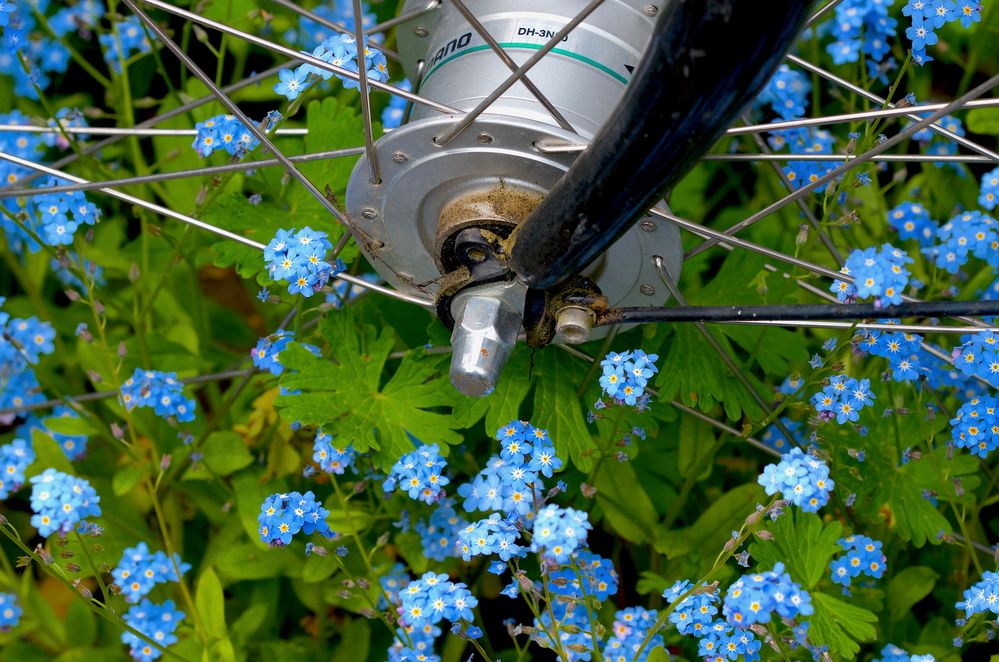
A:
{"x":488,"y":319}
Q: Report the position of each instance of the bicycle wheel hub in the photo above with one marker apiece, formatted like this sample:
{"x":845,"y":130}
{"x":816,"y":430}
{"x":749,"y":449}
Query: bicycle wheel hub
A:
{"x":492,"y":174}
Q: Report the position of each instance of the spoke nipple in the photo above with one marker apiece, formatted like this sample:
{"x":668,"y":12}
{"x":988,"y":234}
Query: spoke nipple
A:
{"x":420,"y":31}
{"x":648,"y":226}
{"x":651,"y":10}
{"x":647,"y":290}
{"x":369,"y":213}
{"x":399,"y":157}
{"x":485,"y":138}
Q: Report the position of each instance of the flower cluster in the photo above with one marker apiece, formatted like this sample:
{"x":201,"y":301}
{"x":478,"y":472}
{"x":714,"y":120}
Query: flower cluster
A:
{"x":439,"y":534}
{"x":15,"y":457}
{"x":753,"y":598}
{"x":876,"y":273}
{"x":511,"y":481}
{"x":693,"y":613}
{"x":492,"y":535}
{"x":331,"y":459}
{"x":787,"y":93}
{"x":558,"y":532}
{"x":22,"y":344}
{"x":396,"y":109}
{"x":139,"y":571}
{"x":988,"y":196}
{"x":976,"y":426}
{"x":284,"y":515}
{"x":801,"y":479}
{"x":862,"y":26}
{"x":863,"y":556}
{"x":972,"y":233}
{"x":341,"y":51}
{"x":805,"y":140}
{"x":420,"y":474}
{"x":158,"y":622}
{"x":299,"y":259}
{"x":127,"y":39}
{"x":74,"y":446}
{"x":223,"y":132}
{"x":979,"y":356}
{"x":892,"y":653}
{"x":926,"y":16}
{"x":433,"y":597}
{"x":983,"y":596}
{"x":43,"y":54}
{"x":265,"y":355}
{"x":599,"y":577}
{"x":843,"y":398}
{"x":774,"y":438}
{"x":912,"y":221}
{"x":626,"y":376}
{"x":60,"y":502}
{"x":902,"y":350}
{"x":65,"y":118}
{"x":10,"y":611}
{"x":159,"y":390}
{"x":628,"y":633}
{"x":26,"y":146}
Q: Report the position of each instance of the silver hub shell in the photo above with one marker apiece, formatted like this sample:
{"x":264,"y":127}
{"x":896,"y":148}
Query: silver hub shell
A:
{"x":584,"y":77}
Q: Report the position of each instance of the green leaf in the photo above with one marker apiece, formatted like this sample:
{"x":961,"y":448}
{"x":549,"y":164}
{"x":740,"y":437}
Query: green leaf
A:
{"x":318,"y":568}
{"x":125,"y":480}
{"x":557,"y":408}
{"x":658,"y":654}
{"x":712,"y":527}
{"x":627,"y":507}
{"x":72,"y":425}
{"x":355,"y":642}
{"x":907,"y":587}
{"x":983,"y":120}
{"x":840,"y":625}
{"x":802,"y":543}
{"x":81,"y":626}
{"x":248,"y":623}
{"x":224,"y":453}
{"x":210,"y":603}
{"x":345,"y":396}
{"x":48,"y":454}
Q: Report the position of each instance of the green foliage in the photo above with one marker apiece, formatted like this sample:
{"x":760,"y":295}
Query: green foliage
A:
{"x":802,"y":543}
{"x":345,"y":394}
{"x":908,"y":587}
{"x":840,"y":625}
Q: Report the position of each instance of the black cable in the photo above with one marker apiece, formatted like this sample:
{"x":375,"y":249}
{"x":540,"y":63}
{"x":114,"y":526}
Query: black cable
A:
{"x":817,"y":312}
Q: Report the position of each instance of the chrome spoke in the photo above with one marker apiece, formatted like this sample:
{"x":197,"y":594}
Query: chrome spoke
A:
{"x":824,"y":237}
{"x":880,"y":158}
{"x":973,"y":146}
{"x":365,"y":92}
{"x":511,"y":65}
{"x":124,"y":131}
{"x":855,"y":117}
{"x":299,"y":57}
{"x":257,"y":131}
{"x":86,"y":150}
{"x":849,"y":165}
{"x":569,"y":349}
{"x":163,"y":211}
{"x":821,"y":13}
{"x":336,"y":27}
{"x":179,"y":174}
{"x":716,"y":346}
{"x":463,"y":123}
{"x":873,"y":326}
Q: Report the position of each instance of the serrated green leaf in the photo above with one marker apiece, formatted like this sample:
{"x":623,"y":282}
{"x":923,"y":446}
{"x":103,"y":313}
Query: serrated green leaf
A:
{"x":840,"y":625}
{"x":626,"y":506}
{"x":557,"y":408}
{"x":802,"y":543}
{"x":344,"y":395}
{"x":907,"y":587}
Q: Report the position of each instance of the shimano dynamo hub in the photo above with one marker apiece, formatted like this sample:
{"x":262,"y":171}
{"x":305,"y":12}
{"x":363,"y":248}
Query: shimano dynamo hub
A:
{"x":439,"y":204}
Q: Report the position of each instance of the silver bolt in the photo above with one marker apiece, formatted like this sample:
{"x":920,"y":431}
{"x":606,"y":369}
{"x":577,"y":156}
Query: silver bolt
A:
{"x":487,"y":321}
{"x":485,"y":138}
{"x":399,"y":157}
{"x":647,"y":289}
{"x":651,"y":10}
{"x":648,"y":226}
{"x":420,"y":31}
{"x":369,"y":213}
{"x":574,"y":323}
